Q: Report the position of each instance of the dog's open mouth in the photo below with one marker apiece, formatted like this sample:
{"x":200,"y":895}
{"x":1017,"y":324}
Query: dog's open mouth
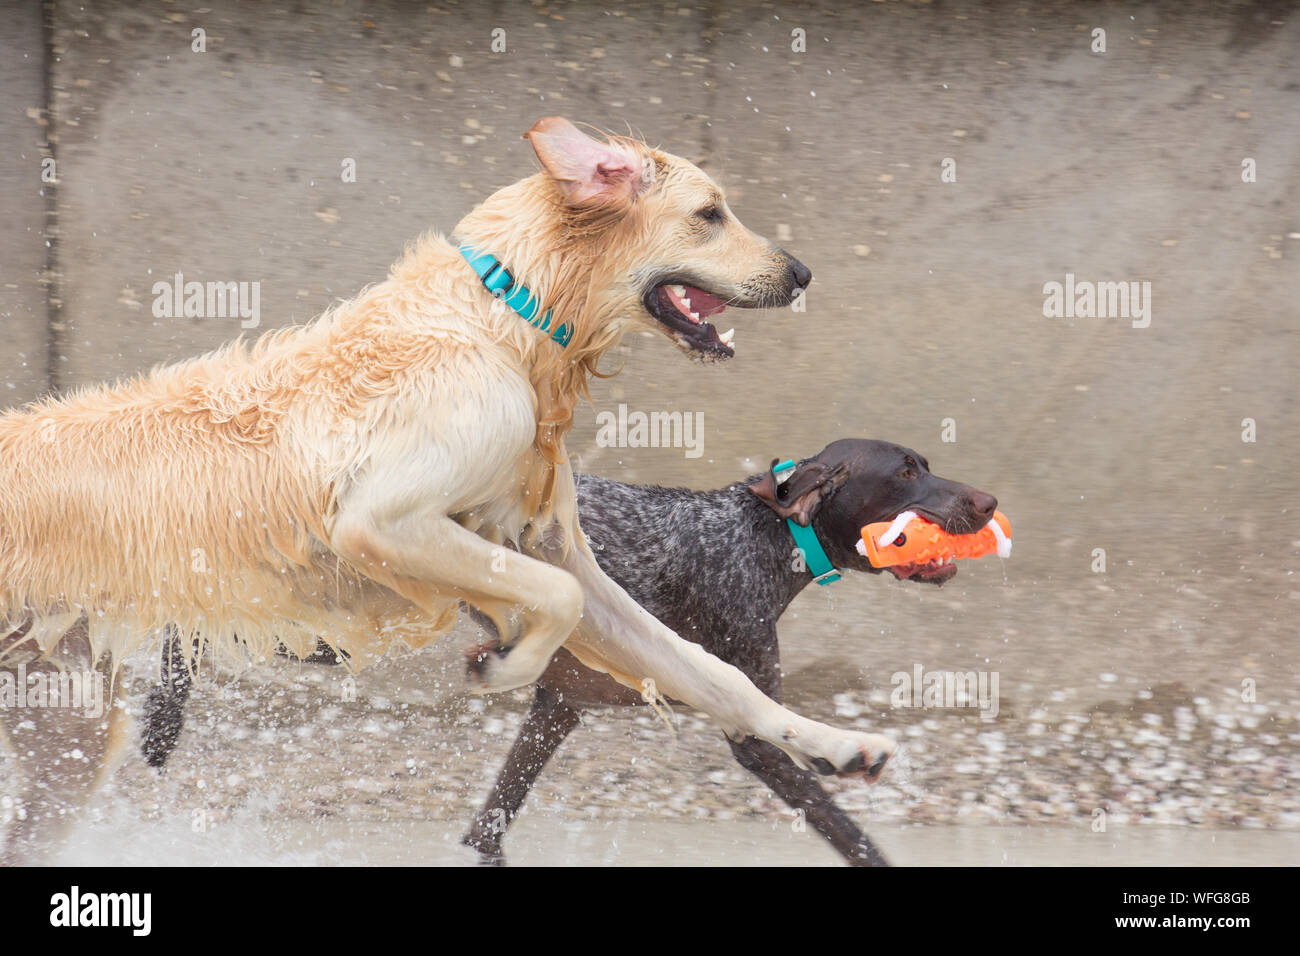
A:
{"x":919,"y":545}
{"x":933,"y":572}
{"x":937,"y":570}
{"x":684,"y":311}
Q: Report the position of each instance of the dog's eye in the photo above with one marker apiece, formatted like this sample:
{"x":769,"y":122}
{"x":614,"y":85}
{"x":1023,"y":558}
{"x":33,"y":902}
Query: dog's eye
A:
{"x":710,"y":214}
{"x":907,"y":474}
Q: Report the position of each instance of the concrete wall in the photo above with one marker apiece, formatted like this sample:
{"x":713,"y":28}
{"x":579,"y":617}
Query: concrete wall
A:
{"x":24,"y":330}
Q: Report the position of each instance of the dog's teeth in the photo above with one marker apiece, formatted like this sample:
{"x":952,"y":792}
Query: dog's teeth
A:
{"x":686,"y":303}
{"x":677,"y":290}
{"x":695,"y":317}
{"x":726,"y":337}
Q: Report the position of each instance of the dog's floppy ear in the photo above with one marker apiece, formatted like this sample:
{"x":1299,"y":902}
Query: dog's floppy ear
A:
{"x":585,"y":168}
{"x":801,"y":496}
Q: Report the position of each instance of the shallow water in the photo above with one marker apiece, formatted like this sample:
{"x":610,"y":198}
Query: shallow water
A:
{"x":545,"y":840}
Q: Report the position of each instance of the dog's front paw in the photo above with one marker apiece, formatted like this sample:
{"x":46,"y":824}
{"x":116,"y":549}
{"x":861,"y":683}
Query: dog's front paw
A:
{"x":859,"y":755}
{"x":486,"y":843}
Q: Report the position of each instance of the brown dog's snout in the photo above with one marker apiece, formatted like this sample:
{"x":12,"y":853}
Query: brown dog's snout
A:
{"x":983,"y":505}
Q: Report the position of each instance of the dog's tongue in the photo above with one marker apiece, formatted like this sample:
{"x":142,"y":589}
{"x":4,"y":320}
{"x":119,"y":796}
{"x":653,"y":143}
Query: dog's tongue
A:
{"x":703,"y":304}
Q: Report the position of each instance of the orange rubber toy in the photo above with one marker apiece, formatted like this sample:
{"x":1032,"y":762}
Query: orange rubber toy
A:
{"x":911,"y":539}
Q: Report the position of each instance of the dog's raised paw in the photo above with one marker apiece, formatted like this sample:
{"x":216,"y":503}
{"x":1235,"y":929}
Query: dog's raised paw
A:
{"x":493,"y":668}
{"x":873,"y":754}
{"x":479,"y":660}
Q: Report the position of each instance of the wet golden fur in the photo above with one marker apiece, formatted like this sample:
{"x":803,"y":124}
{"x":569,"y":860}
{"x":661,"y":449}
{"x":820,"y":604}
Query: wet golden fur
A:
{"x":201,"y":493}
{"x":355,"y":479}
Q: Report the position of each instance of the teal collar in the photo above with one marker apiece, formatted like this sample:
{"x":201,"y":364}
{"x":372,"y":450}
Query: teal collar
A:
{"x":805,"y":539}
{"x":514,"y":294}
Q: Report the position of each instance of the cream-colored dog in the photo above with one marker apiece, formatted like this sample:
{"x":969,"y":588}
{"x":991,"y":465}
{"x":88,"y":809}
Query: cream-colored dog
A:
{"x":353,"y":480}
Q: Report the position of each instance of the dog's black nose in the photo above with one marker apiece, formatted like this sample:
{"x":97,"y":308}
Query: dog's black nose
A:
{"x":984,"y":505}
{"x":800,"y":274}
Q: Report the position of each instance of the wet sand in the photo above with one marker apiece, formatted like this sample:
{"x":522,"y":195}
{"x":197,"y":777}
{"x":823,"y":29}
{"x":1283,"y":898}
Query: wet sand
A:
{"x":550,"y":840}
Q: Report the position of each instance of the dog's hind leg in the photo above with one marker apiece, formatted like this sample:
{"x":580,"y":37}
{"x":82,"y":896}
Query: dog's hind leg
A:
{"x":164,"y":710}
{"x":433,"y":559}
{"x":62,"y":742}
{"x":548,"y":723}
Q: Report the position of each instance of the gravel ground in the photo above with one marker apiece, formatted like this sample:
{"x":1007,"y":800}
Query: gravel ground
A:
{"x":286,"y":739}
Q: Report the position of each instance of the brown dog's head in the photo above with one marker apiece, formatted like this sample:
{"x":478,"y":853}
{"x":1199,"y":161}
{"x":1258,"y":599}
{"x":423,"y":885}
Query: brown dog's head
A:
{"x":623,"y":233}
{"x":855,"y":482}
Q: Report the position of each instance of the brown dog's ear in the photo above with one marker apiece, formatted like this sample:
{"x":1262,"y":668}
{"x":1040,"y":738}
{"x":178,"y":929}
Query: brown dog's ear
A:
{"x":801,"y":496}
{"x":585,"y":168}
